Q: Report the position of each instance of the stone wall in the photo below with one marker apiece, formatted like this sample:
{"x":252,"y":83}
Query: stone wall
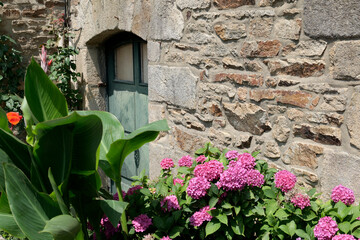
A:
{"x":279,"y":76}
{"x":28,"y":21}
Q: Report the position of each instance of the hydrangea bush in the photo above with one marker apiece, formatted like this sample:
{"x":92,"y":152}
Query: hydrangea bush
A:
{"x":228,"y":195}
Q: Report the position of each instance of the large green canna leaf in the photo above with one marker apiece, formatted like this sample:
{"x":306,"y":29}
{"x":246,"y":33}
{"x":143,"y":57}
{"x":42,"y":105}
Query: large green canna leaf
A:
{"x":4,"y":121}
{"x":63,"y":227}
{"x":29,"y":121}
{"x":4,"y":158}
{"x":8,"y":224}
{"x":113,"y":210}
{"x":123,"y":147}
{"x":45,"y":100}
{"x":30,"y":210}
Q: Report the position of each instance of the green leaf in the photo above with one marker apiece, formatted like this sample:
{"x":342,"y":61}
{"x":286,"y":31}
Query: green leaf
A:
{"x":344,"y":227}
{"x":29,"y":122}
{"x":212,"y":227}
{"x":301,"y":233}
{"x":227,"y":206}
{"x":235,"y":227}
{"x":8,"y":224}
{"x":63,"y":227}
{"x":292,"y":227}
{"x":175,"y":232}
{"x":4,"y":124}
{"x":354,"y":225}
{"x":285,"y":229}
{"x":213,"y":201}
{"x":3,"y":159}
{"x":145,"y":192}
{"x":271,"y":207}
{"x":113,"y":210}
{"x":311,"y":192}
{"x":121,"y":148}
{"x":269,"y":192}
{"x":45,"y":100}
{"x":281,"y":214}
{"x":356,"y":233}
{"x":222,"y":218}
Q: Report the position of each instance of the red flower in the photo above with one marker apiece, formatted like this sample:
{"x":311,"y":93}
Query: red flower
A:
{"x":13,"y":117}
{"x":50,"y":62}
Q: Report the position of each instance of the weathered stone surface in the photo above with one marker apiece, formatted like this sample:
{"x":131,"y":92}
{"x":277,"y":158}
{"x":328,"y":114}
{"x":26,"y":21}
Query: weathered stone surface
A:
{"x":190,"y":121}
{"x":10,"y":14}
{"x":194,"y":4}
{"x":153,"y":51}
{"x":242,"y":94}
{"x":220,"y":137}
{"x":302,"y":154}
{"x":242,"y":79}
{"x":293,"y":67}
{"x":232,"y":63}
{"x":188,"y":141}
{"x":281,"y":129}
{"x":295,"y":114}
{"x":323,"y":88}
{"x":218,"y":89}
{"x":275,"y":109}
{"x":176,"y":85}
{"x":243,"y":140}
{"x":247,"y":117}
{"x":339,"y":168}
{"x":288,"y":29}
{"x":353,"y":119}
{"x":252,"y":66}
{"x":272,"y":150}
{"x":261,"y":27}
{"x":332,"y":18}
{"x":309,"y":48}
{"x":325,"y":118}
{"x":260,"y":49}
{"x":343,"y":56}
{"x":231,"y":31}
{"x":224,"y":4}
{"x":310,"y":177}
{"x":333,"y":103}
{"x":322,"y":134}
{"x":271,"y":82}
{"x":200,"y":37}
{"x":215,"y":110}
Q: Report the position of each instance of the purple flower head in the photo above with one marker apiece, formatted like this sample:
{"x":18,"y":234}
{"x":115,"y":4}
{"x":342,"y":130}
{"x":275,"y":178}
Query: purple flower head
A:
{"x":201,"y":216}
{"x":246,"y":161}
{"x":325,"y":229}
{"x":141,"y":223}
{"x":167,"y":163}
{"x":232,"y":155}
{"x":116,"y":195}
{"x":201,"y":159}
{"x":234,"y":178}
{"x":210,"y":170}
{"x":301,"y":201}
{"x":133,"y":190}
{"x":170,"y":203}
{"x":108,"y":228}
{"x":197,"y":187}
{"x":165,"y":238}
{"x":344,"y":237}
{"x":343,"y":194}
{"x":285,"y":180}
{"x":255,"y":178}
{"x":178,"y":180}
{"x":186,"y":161}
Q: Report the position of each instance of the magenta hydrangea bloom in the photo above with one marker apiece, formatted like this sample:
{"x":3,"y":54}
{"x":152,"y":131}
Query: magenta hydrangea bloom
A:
{"x":246,"y":161}
{"x":254,"y":178}
{"x":201,"y":159}
{"x":167,"y":163}
{"x":133,"y":190}
{"x":186,"y":161}
{"x":165,"y":238}
{"x":210,"y":170}
{"x":325,"y":229}
{"x":178,"y":180}
{"x":197,"y":187}
{"x":234,"y":178}
{"x":285,"y":180}
{"x":343,"y":194}
{"x":141,"y":223}
{"x":107,"y":228}
{"x":201,"y":216}
{"x":170,"y":203}
{"x":232,"y":155}
{"x":116,"y":195}
{"x":344,"y":237}
{"x":301,"y":201}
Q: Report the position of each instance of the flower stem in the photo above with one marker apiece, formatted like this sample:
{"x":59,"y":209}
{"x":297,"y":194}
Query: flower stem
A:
{"x":123,"y":220}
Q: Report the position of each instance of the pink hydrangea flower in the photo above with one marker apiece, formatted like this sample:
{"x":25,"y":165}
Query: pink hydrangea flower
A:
{"x":116,"y":195}
{"x":178,"y":180}
{"x":186,"y":161}
{"x":197,"y":187}
{"x":343,"y":194}
{"x":246,"y":161}
{"x":358,"y":218}
{"x":141,"y":223}
{"x":325,"y":229}
{"x":285,"y":180}
{"x":231,"y":154}
{"x":165,"y":238}
{"x":201,"y":159}
{"x":301,"y":201}
{"x":255,"y":178}
{"x":210,"y":170}
{"x":170,"y":203}
{"x":108,"y":228}
{"x":234,"y":178}
{"x":344,"y":237}
{"x":133,"y":190}
{"x":201,"y":216}
{"x":167,"y":163}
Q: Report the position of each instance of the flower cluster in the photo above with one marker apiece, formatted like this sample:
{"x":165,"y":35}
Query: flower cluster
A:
{"x":246,"y":161}
{"x":201,"y":216}
{"x":133,"y":190}
{"x":170,"y":203}
{"x":325,"y":229}
{"x":301,"y":201}
{"x":167,"y":163}
{"x":255,"y":178}
{"x":344,"y":237}
{"x":209,"y":170}
{"x":232,"y":155}
{"x":108,"y":228}
{"x":197,"y":187}
{"x":178,"y":180}
{"x":234,"y":178}
{"x":165,"y":238}
{"x":201,"y":159}
{"x":285,"y":180}
{"x":141,"y":223}
{"x":186,"y":161}
{"x":343,"y":194}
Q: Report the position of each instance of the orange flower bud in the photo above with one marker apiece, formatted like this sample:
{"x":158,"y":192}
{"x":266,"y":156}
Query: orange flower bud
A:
{"x":13,"y":117}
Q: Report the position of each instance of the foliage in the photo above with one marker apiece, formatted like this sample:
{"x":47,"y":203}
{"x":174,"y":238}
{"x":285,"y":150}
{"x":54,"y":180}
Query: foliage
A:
{"x":50,"y":187}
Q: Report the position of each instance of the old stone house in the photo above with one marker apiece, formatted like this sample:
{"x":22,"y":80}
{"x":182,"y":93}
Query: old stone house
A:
{"x":279,"y":76}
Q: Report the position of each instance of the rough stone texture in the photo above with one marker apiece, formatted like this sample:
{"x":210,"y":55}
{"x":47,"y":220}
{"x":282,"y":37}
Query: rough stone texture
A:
{"x":302,"y":154}
{"x":232,"y":63}
{"x":310,"y":177}
{"x":231,"y":31}
{"x":310,"y":48}
{"x":293,"y":67}
{"x":281,"y":129}
{"x":272,"y":150}
{"x":332,"y":18}
{"x":325,"y":118}
{"x":247,"y":117}
{"x":224,"y":4}
{"x":336,"y":168}
{"x":343,"y":55}
{"x":321,"y":134}
{"x":333,"y":103}
{"x":187,"y":141}
{"x":175,"y":85}
{"x":242,"y":79}
{"x":288,"y":29}
{"x":261,"y":27}
{"x":243,"y":141}
{"x":295,"y":114}
{"x":260,"y":49}
{"x":153,"y":51}
{"x":353,"y":119}
{"x":194,"y":4}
